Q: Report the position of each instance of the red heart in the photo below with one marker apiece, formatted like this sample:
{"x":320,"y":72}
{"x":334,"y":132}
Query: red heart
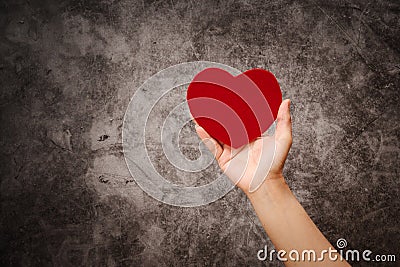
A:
{"x":234,"y":109}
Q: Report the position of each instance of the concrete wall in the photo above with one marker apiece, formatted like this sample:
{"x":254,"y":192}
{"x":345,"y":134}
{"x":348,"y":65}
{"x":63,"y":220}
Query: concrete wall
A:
{"x":68,"y":69}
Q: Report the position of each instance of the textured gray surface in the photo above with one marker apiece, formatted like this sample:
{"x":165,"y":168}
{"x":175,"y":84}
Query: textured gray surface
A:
{"x":68,"y":69}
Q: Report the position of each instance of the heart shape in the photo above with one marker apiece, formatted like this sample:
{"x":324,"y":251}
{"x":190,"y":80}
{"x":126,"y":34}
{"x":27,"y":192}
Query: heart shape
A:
{"x":235,"y":110}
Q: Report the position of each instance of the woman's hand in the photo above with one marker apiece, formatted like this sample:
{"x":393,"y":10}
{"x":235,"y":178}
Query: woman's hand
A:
{"x":282,"y":216}
{"x":249,"y":162}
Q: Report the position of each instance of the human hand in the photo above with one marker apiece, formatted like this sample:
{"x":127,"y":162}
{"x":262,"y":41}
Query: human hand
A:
{"x":250,"y":162}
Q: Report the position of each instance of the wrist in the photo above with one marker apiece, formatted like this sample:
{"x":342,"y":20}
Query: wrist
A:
{"x":274,"y":188}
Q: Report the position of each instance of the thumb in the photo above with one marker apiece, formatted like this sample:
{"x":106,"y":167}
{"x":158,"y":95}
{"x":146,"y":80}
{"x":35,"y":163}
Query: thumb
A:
{"x":283,"y":132}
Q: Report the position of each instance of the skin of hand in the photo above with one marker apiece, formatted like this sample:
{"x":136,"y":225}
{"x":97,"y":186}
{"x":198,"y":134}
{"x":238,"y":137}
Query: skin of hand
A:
{"x":283,"y":218}
{"x":251,"y":152}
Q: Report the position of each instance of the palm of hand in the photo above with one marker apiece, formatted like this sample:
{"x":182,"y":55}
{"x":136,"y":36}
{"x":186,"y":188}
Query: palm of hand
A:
{"x":249,"y":165}
{"x":263,"y":158}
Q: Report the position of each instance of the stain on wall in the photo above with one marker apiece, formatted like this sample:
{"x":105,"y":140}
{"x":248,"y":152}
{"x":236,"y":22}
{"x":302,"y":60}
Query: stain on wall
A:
{"x":69,"y":68}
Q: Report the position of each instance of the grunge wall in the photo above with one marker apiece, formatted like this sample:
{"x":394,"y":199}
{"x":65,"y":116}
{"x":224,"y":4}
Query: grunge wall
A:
{"x":69,"y":68}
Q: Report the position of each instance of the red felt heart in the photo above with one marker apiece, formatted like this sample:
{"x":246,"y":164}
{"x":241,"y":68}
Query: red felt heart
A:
{"x":234,"y":109}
